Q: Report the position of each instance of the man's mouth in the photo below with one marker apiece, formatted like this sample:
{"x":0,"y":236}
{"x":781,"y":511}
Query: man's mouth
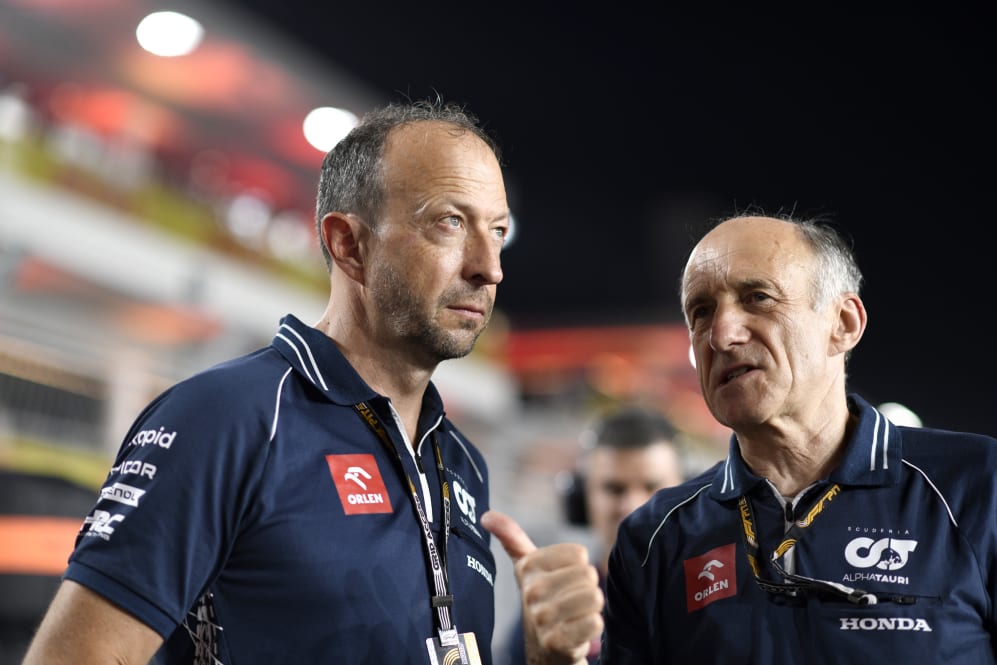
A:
{"x":468,"y":309}
{"x":730,"y":376}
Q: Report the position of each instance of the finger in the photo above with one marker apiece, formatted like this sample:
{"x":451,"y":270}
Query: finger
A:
{"x":557,"y":586}
{"x":514,"y":540}
{"x":573,"y":636}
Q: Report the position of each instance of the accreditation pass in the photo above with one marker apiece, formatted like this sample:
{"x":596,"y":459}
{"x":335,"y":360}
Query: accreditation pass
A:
{"x":463,"y":652}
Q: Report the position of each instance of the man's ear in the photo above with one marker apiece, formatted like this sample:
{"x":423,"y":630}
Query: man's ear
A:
{"x":850,"y":324}
{"x":344,"y":235}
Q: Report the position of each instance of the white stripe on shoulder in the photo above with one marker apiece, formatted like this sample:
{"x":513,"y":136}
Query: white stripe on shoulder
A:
{"x":940,"y":495}
{"x":470,"y":459}
{"x":654,"y":535}
{"x":311,"y":357}
{"x":276,"y":408}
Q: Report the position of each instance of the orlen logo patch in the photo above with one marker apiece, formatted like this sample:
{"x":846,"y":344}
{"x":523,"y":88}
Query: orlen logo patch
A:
{"x":359,"y":483}
{"x":710,"y":577}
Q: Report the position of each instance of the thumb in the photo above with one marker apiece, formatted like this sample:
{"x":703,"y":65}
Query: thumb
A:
{"x":514,"y":540}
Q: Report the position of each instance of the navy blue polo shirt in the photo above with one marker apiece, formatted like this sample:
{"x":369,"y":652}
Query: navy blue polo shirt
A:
{"x":914,"y":524}
{"x":252,"y":516}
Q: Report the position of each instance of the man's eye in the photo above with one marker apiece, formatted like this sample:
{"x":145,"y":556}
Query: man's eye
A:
{"x":453,"y":221}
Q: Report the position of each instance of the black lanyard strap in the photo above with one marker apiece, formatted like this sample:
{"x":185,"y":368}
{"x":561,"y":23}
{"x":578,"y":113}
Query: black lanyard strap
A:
{"x":795,"y":583}
{"x":442,"y":599}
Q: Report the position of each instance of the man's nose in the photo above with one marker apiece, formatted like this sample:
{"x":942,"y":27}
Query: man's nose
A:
{"x":728,"y":327}
{"x":483,"y":259}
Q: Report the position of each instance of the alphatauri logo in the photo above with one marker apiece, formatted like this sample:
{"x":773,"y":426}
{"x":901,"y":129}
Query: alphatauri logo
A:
{"x":465,"y":501}
{"x":885,"y":553}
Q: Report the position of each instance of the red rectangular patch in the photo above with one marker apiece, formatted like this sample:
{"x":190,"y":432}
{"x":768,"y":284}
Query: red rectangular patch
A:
{"x":359,"y":483}
{"x":710,"y":577}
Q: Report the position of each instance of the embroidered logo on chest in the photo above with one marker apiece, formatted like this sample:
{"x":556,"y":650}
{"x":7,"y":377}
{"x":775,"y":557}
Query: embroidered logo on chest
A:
{"x":465,"y":501}
{"x":710,"y":577}
{"x":359,"y":483}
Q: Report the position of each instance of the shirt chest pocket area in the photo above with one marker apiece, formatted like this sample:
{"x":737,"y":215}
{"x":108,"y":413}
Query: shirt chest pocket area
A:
{"x":898,"y":628}
{"x":469,"y":560}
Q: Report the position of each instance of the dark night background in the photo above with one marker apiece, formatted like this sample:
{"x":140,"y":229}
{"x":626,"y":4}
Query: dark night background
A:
{"x":625,"y":127}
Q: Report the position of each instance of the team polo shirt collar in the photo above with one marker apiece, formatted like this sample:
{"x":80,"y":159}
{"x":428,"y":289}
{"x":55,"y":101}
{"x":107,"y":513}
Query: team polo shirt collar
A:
{"x":872,"y":458}
{"x":317,"y":358}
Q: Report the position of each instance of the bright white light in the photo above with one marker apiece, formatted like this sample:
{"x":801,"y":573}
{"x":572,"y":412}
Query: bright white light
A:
{"x":247,"y":218}
{"x":900,"y":414}
{"x":290,"y":236}
{"x":326,"y":126}
{"x":510,"y":236}
{"x":169,"y":34}
{"x":16,"y":117}
{"x":692,"y":356}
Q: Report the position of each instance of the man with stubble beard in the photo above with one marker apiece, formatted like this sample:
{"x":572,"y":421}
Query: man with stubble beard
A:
{"x":310,"y":502}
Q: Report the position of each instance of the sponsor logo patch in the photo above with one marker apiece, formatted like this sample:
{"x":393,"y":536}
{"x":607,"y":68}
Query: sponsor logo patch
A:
{"x":122,"y":493}
{"x":465,"y":501}
{"x":359,"y":483}
{"x":885,"y":623}
{"x":134,"y":467}
{"x":474,"y":564}
{"x":710,"y":577}
{"x":884,"y":554}
{"x":101,"y":523}
{"x":153,"y":437}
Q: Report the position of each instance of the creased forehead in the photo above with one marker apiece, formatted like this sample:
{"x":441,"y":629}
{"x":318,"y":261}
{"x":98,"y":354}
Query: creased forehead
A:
{"x":754,"y":248}
{"x":762,"y":236}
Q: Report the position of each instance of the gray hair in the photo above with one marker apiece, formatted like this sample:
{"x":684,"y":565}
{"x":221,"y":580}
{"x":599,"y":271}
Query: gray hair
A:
{"x":351,"y":177}
{"x":837,"y":271}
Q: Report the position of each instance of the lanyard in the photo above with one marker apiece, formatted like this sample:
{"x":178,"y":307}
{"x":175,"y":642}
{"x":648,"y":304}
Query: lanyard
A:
{"x":442,"y":600}
{"x":796,"y":583}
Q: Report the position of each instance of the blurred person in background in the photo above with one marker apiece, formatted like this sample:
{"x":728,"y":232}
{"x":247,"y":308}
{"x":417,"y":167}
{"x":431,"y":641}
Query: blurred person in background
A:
{"x":628,"y":454}
{"x":310,"y":502}
{"x":829,"y":534}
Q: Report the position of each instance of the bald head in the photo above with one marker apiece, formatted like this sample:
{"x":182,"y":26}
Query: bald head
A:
{"x":805,"y":244}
